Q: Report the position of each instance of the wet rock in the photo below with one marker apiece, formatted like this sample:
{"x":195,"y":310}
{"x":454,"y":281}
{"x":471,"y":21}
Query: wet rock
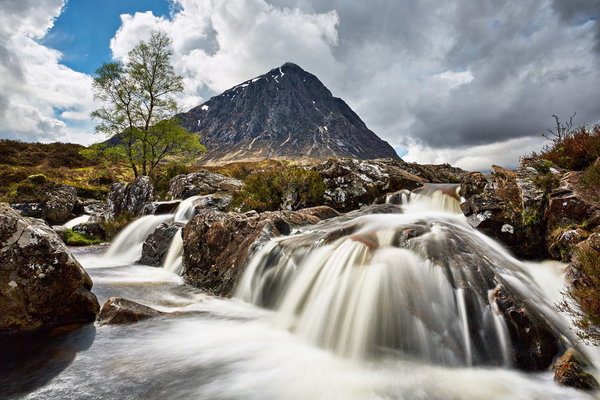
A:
{"x":201,"y":183}
{"x":95,"y":208}
{"x":507,"y":209}
{"x":41,"y":283}
{"x":90,"y":229}
{"x":117,"y":310}
{"x":156,"y":246}
{"x":217,"y":244}
{"x":351,"y":183}
{"x":129,"y":198}
{"x":473,"y":183}
{"x":160,"y":207}
{"x":217,"y":201}
{"x":562,"y":242}
{"x":51,"y":201}
{"x":569,"y":371}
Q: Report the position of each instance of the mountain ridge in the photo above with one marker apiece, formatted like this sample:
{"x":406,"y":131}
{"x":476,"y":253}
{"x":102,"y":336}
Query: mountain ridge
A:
{"x":286,"y":113}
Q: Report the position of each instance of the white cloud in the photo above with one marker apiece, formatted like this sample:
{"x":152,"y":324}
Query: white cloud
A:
{"x":36,"y":91}
{"x":218,"y":44}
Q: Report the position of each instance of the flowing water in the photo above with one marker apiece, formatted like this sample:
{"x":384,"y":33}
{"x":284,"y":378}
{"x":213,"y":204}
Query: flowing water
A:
{"x":371,"y":307}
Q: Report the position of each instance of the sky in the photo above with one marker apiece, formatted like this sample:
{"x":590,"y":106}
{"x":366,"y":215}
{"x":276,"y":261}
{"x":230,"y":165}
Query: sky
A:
{"x":468,"y":82}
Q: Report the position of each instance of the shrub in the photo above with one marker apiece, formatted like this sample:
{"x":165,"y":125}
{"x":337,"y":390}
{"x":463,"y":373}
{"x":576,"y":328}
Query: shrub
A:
{"x":286,"y":187}
{"x":591,"y":177}
{"x":76,"y":239}
{"x":162,"y":176}
{"x":574,"y":150}
{"x":586,"y":292}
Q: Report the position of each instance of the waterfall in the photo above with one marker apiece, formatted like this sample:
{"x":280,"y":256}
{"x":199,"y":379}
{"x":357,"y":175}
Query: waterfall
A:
{"x":76,"y":221}
{"x":127,"y":245}
{"x":420,"y":285}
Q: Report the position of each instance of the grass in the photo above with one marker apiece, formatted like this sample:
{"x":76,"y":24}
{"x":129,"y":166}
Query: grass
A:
{"x":281,"y":187}
{"x":76,"y":239}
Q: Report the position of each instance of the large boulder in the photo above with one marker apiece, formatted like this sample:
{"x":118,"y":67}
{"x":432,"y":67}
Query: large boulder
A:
{"x":217,"y":244}
{"x":92,"y":230}
{"x":117,"y":310}
{"x":157,"y":244}
{"x":129,"y":198}
{"x":41,"y":283}
{"x":509,"y":206}
{"x":351,"y":183}
{"x":201,"y":183}
{"x":40,"y":198}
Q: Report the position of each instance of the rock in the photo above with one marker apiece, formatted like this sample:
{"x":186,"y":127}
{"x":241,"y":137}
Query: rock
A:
{"x":201,"y":183}
{"x":569,"y":371}
{"x":157,"y":244}
{"x":61,"y":231}
{"x":129,"y":198}
{"x":473,"y":183}
{"x":351,"y":184}
{"x":508,"y":208}
{"x":95,"y":208}
{"x":117,"y":310}
{"x":41,"y":283}
{"x":562,"y":242}
{"x":90,"y":229}
{"x":51,"y":201}
{"x":160,"y":207}
{"x":217,"y":244}
{"x":217,"y":201}
{"x":570,"y":204}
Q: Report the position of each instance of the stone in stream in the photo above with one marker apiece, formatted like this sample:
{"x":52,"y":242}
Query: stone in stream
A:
{"x":90,"y":229}
{"x":41,"y":198}
{"x":157,"y":244}
{"x":569,"y":371}
{"x":217,"y":244}
{"x":118,"y":310}
{"x":129,"y":198}
{"x":41,"y":284}
{"x":160,"y":207}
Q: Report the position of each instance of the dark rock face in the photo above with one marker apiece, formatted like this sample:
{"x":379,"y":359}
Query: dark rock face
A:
{"x":129,"y":198}
{"x":157,"y":244}
{"x":117,"y":310}
{"x":60,"y":200}
{"x":508,"y":208}
{"x":569,"y":371}
{"x":217,"y":244}
{"x":351,"y":184}
{"x":217,"y":201}
{"x":90,"y":229}
{"x":41,"y":284}
{"x":201,"y":183}
{"x":160,"y":207}
{"x":286,"y":113}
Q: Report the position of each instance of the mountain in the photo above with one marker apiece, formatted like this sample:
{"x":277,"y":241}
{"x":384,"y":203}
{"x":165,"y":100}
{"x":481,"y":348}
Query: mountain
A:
{"x":286,"y":113}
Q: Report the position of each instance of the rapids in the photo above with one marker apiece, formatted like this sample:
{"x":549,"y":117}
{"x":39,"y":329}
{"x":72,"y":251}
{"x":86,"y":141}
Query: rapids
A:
{"x":353,"y":308}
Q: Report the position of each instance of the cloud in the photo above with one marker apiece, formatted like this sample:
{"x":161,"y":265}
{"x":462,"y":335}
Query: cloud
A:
{"x":35,"y":89}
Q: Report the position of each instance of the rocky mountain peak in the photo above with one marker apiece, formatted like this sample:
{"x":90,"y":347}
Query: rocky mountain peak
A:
{"x":286,"y":113}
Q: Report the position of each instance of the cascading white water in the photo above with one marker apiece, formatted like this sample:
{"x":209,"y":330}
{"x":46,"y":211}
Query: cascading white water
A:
{"x":76,"y":221}
{"x":424,"y":285}
{"x":127,"y":245}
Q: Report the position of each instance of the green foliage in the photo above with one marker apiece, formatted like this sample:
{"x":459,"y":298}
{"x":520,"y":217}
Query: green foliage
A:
{"x":545,"y":180}
{"x":586,"y":292}
{"x":76,"y":239}
{"x":591,"y":178}
{"x":138,"y":109}
{"x":574,"y":149}
{"x":54,"y":155}
{"x":164,"y":173}
{"x":88,"y":192}
{"x":286,"y":187}
{"x":530,"y":217}
{"x":115,"y":225}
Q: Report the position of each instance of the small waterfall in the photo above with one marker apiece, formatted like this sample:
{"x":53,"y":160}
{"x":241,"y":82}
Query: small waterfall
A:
{"x":429,"y":197}
{"x":76,"y":221}
{"x":127,"y":245}
{"x":421,"y":284}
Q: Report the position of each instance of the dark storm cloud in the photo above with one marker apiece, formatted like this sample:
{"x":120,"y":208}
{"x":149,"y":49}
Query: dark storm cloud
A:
{"x":528,"y":59}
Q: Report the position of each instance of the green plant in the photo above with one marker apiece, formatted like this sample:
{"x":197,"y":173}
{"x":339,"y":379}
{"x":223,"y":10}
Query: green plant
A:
{"x":530,"y":217}
{"x":115,"y":225}
{"x":138,"y":108}
{"x":286,"y":187}
{"x":585,"y":291}
{"x":76,"y":239}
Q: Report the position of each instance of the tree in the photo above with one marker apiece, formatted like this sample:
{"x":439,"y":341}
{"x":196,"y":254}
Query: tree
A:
{"x":138,"y":109}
